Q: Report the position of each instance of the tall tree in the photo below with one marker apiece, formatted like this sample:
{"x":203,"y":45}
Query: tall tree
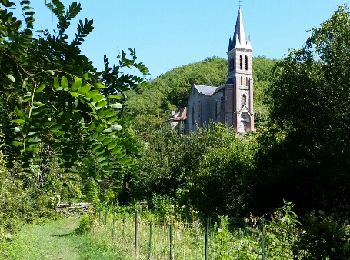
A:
{"x":308,"y":161}
{"x":53,"y":101}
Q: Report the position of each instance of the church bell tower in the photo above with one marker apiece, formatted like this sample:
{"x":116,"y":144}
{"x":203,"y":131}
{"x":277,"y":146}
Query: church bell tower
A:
{"x":240,"y":75}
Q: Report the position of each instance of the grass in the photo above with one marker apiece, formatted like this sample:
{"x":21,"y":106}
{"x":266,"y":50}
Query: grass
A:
{"x":112,"y":236}
{"x":57,"y":240}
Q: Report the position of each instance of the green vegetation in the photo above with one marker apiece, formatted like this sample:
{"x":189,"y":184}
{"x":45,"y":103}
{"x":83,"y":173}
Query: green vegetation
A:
{"x":57,"y":240}
{"x":62,"y":135}
{"x":69,"y":132}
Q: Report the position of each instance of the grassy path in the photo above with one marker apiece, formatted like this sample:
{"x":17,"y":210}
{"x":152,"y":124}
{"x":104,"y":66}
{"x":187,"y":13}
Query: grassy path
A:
{"x":56,"y":240}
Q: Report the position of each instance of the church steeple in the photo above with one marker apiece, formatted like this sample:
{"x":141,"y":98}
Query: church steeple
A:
{"x":240,"y":77}
{"x":239,"y":40}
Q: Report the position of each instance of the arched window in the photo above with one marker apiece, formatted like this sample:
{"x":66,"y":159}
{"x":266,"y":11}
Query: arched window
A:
{"x":246,"y":62}
{"x":244,"y":100}
{"x":241,"y":80}
{"x":240,"y":62}
{"x":247,"y":82}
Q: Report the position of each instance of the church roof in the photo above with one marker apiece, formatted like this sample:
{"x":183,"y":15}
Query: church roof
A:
{"x":205,"y":90}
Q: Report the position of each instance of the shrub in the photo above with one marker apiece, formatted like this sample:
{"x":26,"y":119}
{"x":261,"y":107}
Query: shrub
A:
{"x":324,"y":237}
{"x":86,"y":224}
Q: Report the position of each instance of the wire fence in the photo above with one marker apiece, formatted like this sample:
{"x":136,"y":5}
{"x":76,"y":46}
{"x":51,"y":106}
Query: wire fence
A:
{"x":142,"y":238}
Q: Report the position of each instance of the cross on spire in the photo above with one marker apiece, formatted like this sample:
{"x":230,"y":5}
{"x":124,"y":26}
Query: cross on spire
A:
{"x":240,"y":3}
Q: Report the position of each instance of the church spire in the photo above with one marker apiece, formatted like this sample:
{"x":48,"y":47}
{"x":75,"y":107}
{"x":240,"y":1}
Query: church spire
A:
{"x":239,"y":39}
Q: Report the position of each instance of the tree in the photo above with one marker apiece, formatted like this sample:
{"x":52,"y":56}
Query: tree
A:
{"x":305,"y":155}
{"x":53,"y":102}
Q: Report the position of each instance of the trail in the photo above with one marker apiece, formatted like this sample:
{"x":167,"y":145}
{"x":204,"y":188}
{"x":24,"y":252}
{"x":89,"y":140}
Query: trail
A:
{"x":48,"y":241}
{"x":56,"y":240}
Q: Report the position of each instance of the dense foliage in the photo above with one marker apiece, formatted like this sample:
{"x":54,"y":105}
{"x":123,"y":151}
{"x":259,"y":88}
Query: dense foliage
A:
{"x":206,"y":170}
{"x":305,"y":155}
{"x":60,"y":124}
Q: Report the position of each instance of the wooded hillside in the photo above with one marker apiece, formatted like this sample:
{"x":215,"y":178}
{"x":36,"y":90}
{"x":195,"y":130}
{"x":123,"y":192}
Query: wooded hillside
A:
{"x":152,"y":103}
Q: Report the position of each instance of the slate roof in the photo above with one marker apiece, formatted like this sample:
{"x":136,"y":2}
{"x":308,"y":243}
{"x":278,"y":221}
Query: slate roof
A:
{"x":205,"y":90}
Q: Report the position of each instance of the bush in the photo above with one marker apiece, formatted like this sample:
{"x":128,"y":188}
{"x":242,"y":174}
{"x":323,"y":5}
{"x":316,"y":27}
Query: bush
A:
{"x":86,"y":224}
{"x":21,"y":201}
{"x":324,"y":237}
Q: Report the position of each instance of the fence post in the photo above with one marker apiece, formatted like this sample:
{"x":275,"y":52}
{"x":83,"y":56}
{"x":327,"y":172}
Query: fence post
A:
{"x":113,"y":227}
{"x":99,"y":216}
{"x":106,"y":214}
{"x":123,"y":229}
{"x":263,"y":255}
{"x":171,"y":242}
{"x":206,"y":240}
{"x":150,"y":241}
{"x":136,"y":233}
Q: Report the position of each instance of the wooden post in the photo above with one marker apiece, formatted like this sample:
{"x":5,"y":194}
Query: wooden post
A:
{"x":263,"y":255}
{"x":99,"y":215}
{"x":206,"y":240}
{"x":136,"y":233}
{"x":106,"y":214}
{"x":171,"y":253}
{"x":123,"y":228}
{"x":150,"y":241}
{"x":113,"y":227}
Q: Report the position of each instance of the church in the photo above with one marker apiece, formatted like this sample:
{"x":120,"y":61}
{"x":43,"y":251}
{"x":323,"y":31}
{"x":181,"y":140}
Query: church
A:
{"x":230,"y":103}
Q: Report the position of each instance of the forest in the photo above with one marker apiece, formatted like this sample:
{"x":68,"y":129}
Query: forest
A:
{"x":71,"y":133}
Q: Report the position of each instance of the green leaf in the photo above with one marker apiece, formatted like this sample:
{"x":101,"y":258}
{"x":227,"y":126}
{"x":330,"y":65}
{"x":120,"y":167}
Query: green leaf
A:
{"x":56,"y":85}
{"x":34,"y":140}
{"x":100,"y":85}
{"x":106,"y":113}
{"x":19,"y":121}
{"x":112,"y":145}
{"x":16,"y":143}
{"x":92,"y":126}
{"x":77,"y":84}
{"x":38,"y":104}
{"x":101,"y":138}
{"x":40,"y":88}
{"x":33,"y":149}
{"x":97,"y":98}
{"x":64,"y":83}
{"x":107,"y":141}
{"x":84,"y":89}
{"x":100,"y":128}
{"x":97,"y":147}
{"x":95,"y":95}
{"x":102,"y":103}
{"x":10,"y":77}
{"x":101,"y":159}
